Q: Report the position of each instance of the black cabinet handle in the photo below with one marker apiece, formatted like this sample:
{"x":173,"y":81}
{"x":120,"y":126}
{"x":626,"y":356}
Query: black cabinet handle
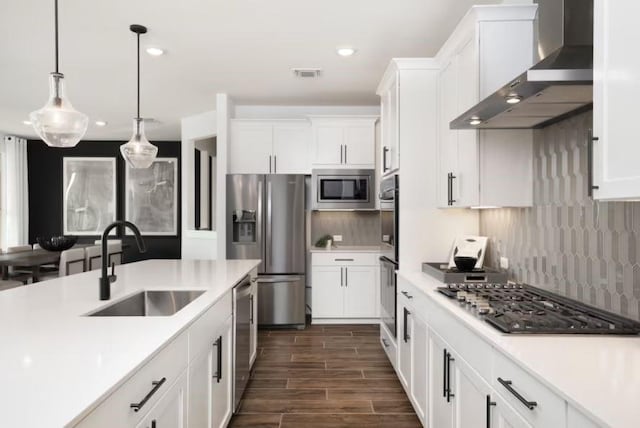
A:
{"x":385,"y":343}
{"x":489,"y":404}
{"x":269,"y":164}
{"x":251,"y":310}
{"x":407,"y":295}
{"x":590,"y":185}
{"x":385,"y":150}
{"x":156,"y":386}
{"x":507,"y":384}
{"x":405,"y":332}
{"x":444,"y":372}
{"x":341,"y":158}
{"x":343,"y":260}
{"x":275,"y":164}
{"x":346,"y":277}
{"x":341,"y":277}
{"x":450,"y":178}
{"x":218,"y":374}
{"x":153,"y":424}
{"x":449,"y":394}
{"x":345,"y":154}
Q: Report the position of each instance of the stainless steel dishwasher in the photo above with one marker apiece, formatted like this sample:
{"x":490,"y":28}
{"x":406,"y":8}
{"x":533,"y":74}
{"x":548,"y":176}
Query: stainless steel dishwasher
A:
{"x":241,"y":334}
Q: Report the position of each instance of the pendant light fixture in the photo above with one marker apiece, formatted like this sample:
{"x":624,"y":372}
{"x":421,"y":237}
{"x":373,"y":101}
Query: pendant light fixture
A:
{"x":138,"y":152}
{"x":58,"y":123}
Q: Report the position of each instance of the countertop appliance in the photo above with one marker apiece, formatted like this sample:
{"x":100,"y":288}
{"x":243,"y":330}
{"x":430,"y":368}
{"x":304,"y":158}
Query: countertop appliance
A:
{"x":521,"y":308}
{"x":557,"y":86}
{"x":241,"y":334}
{"x":343,"y":189}
{"x":442,"y":272}
{"x":389,"y":221}
{"x":266,"y":220}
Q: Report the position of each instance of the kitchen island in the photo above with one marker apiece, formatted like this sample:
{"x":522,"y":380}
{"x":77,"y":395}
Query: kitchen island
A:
{"x":57,"y":365}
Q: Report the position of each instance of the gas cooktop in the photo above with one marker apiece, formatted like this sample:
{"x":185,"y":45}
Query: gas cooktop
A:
{"x":521,"y":308}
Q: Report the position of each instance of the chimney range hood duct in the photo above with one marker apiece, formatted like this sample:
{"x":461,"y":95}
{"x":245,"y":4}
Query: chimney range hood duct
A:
{"x":560,"y":85}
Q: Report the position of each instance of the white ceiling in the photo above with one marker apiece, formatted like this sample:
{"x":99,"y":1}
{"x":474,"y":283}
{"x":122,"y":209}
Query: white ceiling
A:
{"x":245,"y":48}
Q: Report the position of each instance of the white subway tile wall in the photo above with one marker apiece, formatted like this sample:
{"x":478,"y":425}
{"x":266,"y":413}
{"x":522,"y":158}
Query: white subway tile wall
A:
{"x":567,"y":242}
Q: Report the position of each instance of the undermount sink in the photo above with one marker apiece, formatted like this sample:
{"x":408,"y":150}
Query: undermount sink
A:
{"x":151,"y":303}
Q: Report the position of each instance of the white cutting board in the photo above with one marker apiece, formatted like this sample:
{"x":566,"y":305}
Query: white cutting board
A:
{"x":469,"y":246}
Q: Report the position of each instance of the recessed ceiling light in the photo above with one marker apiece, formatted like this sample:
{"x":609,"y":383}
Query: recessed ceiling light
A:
{"x":155,"y":51}
{"x":475,"y":121}
{"x":26,"y":122}
{"x":513,"y":98}
{"x":345,"y":51}
{"x":101,"y":123}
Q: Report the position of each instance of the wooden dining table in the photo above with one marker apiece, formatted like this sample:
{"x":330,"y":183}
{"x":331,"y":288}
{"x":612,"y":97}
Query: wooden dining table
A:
{"x":32,"y":260}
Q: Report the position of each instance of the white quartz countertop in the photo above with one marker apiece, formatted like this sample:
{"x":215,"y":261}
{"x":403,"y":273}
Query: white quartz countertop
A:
{"x":348,"y":249}
{"x":56,"y":364}
{"x":598,"y":375}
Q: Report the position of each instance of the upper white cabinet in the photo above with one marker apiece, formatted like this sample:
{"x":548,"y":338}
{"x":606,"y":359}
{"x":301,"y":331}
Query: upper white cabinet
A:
{"x":344,"y":142}
{"x":490,"y":46}
{"x":389,"y":92}
{"x":270,"y":147}
{"x":616,"y":83}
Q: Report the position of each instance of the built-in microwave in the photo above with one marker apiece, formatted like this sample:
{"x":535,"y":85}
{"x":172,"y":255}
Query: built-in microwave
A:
{"x":347,"y":189}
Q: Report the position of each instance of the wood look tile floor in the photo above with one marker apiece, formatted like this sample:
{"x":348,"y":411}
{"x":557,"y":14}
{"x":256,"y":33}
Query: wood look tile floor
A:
{"x":334,"y":376}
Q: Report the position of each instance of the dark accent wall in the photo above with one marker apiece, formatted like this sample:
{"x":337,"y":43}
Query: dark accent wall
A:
{"x":45,"y":194}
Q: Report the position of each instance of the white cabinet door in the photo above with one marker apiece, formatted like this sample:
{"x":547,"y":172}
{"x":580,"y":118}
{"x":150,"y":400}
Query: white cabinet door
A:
{"x":222,"y":380}
{"x":440,"y":409}
{"x":503,"y":415}
{"x":404,"y":314}
{"x":250,"y":147}
{"x":389,"y":106}
{"x":419,"y":365}
{"x":359,"y":142}
{"x":360,"y":292}
{"x":470,"y":395}
{"x":326,"y":291}
{"x":200,"y":373}
{"x":448,"y":139}
{"x":328,"y":144}
{"x":467,"y":187}
{"x":616,"y":81}
{"x":291,"y":148}
{"x":170,"y":410}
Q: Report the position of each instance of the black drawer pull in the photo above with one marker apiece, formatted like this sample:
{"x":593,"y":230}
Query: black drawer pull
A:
{"x":251,"y":310}
{"x":343,"y":260}
{"x":507,"y":384}
{"x":385,"y":343}
{"x":405,"y":331}
{"x":449,"y":393}
{"x":407,"y":295}
{"x":156,"y":386}
{"x":444,"y":372}
{"x":218,"y":374}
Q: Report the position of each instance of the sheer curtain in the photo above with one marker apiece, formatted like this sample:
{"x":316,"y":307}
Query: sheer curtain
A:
{"x":14,"y":192}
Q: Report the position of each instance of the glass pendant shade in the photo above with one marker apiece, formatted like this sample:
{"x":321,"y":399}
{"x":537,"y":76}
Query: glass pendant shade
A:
{"x":138,"y":152}
{"x":58,"y":124}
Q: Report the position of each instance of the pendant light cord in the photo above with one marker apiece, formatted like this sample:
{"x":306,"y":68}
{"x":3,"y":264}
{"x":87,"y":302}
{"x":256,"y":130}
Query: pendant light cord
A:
{"x":56,"y":31}
{"x":138,"y":111}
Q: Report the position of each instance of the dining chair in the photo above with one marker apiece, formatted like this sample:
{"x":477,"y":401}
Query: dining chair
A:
{"x":49,"y":268}
{"x":72,"y":261}
{"x":93,"y":257}
{"x":114,"y":250}
{"x":19,"y":273}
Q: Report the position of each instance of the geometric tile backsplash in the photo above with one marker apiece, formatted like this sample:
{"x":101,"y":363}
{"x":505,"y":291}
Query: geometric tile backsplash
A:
{"x":567,"y":242}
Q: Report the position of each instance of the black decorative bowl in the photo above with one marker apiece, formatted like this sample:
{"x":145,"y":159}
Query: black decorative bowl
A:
{"x":57,"y":243}
{"x":465,"y":264}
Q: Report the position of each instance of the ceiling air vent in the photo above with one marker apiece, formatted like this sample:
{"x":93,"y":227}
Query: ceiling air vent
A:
{"x":307,"y":72}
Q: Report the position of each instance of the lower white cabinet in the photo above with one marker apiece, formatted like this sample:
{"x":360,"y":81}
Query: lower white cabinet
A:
{"x":169,"y":412}
{"x":412,"y":353}
{"x":343,"y":289}
{"x":189,"y":381}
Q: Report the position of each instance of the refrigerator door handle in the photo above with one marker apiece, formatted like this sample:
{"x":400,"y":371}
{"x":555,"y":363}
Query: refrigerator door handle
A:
{"x":269,"y":225}
{"x":259,"y":221}
{"x":280,"y":279}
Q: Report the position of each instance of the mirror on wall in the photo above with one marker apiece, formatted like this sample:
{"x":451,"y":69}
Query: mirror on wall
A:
{"x":204,"y":183}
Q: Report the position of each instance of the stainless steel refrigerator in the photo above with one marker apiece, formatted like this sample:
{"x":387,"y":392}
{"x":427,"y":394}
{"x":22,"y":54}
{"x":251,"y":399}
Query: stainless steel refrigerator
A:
{"x":266,"y":220}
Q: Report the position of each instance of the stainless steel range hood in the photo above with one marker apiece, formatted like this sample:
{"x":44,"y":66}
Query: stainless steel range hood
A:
{"x":559,"y":85}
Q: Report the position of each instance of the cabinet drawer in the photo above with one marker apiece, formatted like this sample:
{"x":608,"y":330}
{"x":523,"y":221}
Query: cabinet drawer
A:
{"x":344,"y":259}
{"x":388,"y":344}
{"x":116,"y":411}
{"x":509,"y":381}
{"x":413,"y":297}
{"x":203,"y":330}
